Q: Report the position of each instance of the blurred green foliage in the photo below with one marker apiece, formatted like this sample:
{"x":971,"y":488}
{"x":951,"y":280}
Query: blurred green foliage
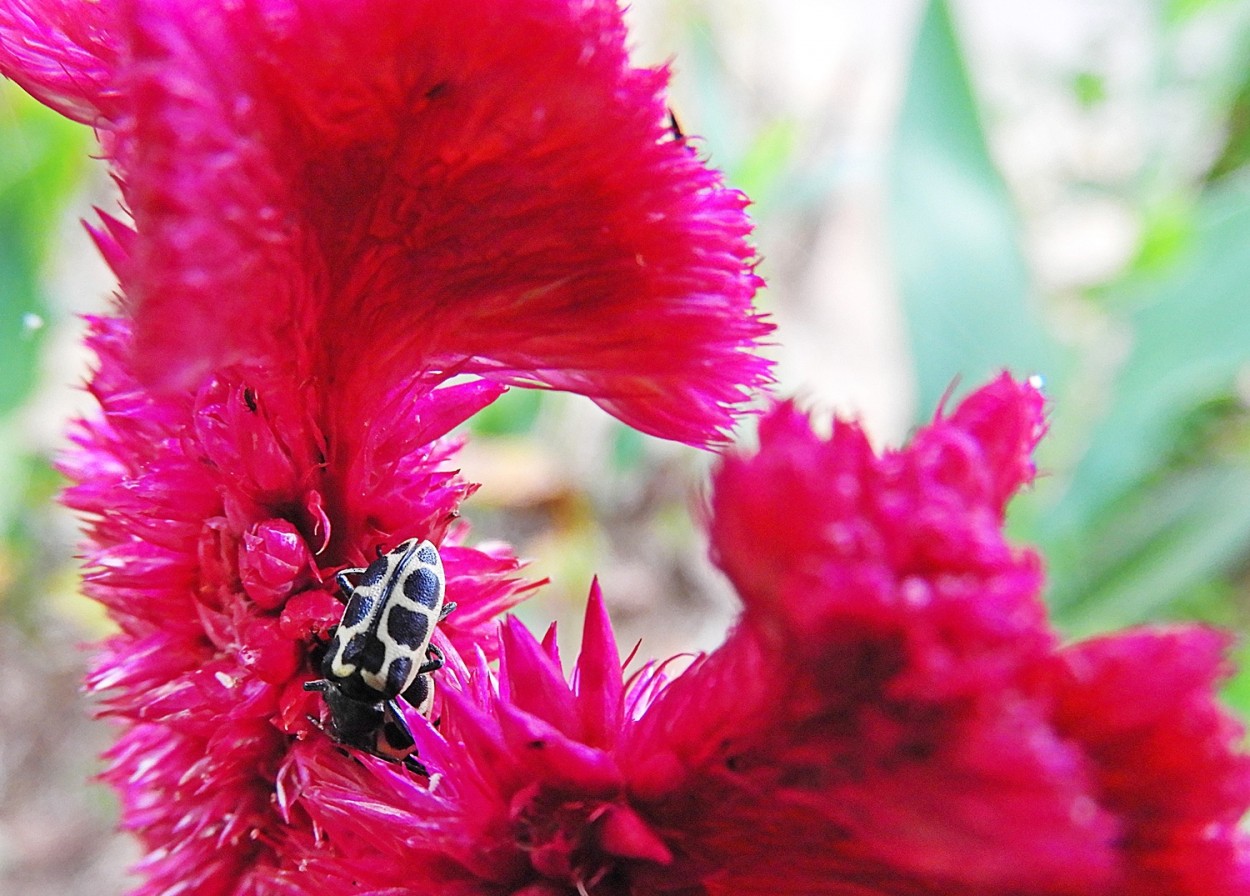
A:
{"x":42,"y":162}
{"x":1160,"y":449}
{"x":1089,"y":88}
{"x":963,"y":280}
{"x":512,"y":414}
{"x":1143,"y":507}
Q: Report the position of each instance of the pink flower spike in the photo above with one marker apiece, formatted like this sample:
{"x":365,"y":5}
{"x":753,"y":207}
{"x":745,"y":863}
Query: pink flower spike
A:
{"x":537,"y":685}
{"x":894,"y":714}
{"x":626,"y":834}
{"x":114,"y":240}
{"x":215,"y":522}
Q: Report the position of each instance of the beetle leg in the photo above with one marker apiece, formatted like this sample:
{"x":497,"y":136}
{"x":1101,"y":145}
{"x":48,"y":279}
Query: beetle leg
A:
{"x":434,"y":660}
{"x":341,"y":577}
{"x":447,"y":608}
{"x":414,"y":765}
{"x":395,"y":716}
{"x":319,"y":685}
{"x":674,"y":127}
{"x":400,"y":744}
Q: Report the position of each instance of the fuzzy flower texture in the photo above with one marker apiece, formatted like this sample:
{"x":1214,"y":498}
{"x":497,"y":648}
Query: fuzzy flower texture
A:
{"x":353,"y":223}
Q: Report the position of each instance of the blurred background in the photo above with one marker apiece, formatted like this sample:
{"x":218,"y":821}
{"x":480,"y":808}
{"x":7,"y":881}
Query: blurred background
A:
{"x":941,"y":189}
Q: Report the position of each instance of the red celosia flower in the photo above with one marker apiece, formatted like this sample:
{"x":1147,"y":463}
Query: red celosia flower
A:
{"x":337,"y":207}
{"x":910,"y":704}
{"x":215,"y":521}
{"x":891,"y":717}
{"x":394,"y":186}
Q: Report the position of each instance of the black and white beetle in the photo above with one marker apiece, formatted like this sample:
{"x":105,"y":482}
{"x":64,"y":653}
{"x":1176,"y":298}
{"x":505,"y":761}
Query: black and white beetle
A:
{"x":381,"y":651}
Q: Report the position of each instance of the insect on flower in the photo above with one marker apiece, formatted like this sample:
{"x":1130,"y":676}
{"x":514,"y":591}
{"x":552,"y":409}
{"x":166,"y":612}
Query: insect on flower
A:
{"x":381,"y":651}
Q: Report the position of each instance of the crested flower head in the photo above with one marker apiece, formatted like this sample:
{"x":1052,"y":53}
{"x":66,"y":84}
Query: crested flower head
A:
{"x":375,"y":189}
{"x":353,"y":225}
{"x":910,"y":705}
{"x":216,"y":525}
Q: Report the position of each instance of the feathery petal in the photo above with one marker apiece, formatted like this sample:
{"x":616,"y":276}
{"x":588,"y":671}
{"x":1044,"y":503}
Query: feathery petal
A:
{"x":391,"y":187}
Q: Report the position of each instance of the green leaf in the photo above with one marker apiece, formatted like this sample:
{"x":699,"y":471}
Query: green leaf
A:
{"x":1164,"y":546}
{"x":1191,"y":338}
{"x":954,"y":231}
{"x":511,"y":414}
{"x":955,"y":236}
{"x":42,"y":161}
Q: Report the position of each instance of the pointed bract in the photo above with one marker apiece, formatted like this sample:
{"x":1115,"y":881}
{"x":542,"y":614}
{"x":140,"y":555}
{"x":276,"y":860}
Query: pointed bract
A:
{"x":598,"y":676}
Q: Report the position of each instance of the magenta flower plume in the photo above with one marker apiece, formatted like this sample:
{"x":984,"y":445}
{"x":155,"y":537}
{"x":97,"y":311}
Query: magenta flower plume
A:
{"x":337,"y":208}
{"x":910,"y":703}
{"x":403,"y":186}
{"x":215,"y":523}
